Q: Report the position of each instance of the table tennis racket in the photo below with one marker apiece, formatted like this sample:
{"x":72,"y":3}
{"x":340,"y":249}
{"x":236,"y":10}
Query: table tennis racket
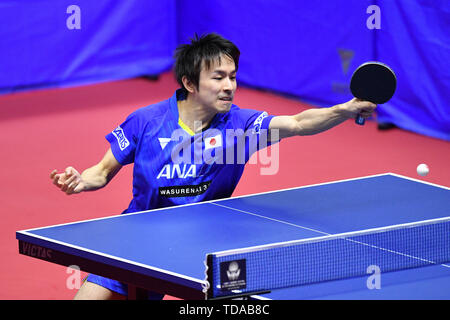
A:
{"x":373,"y":81}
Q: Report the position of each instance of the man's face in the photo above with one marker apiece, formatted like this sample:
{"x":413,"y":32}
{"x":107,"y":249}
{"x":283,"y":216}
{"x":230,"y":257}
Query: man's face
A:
{"x":217,"y":85}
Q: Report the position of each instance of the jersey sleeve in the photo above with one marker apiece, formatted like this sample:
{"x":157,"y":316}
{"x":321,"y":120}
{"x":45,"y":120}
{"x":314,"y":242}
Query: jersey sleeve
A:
{"x":256,"y":128}
{"x":258,"y":122}
{"x":124,"y":138}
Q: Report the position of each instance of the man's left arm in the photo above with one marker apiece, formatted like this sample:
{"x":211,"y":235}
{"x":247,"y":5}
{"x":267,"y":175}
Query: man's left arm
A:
{"x":313,"y":121}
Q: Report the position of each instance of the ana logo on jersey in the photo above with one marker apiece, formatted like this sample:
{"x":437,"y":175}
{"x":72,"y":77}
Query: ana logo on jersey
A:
{"x":170,"y":171}
{"x":183,"y":171}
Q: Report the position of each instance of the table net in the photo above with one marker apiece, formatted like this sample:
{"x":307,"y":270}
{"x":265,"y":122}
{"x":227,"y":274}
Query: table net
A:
{"x":332,"y":257}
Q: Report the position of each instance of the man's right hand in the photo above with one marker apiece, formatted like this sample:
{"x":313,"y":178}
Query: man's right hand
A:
{"x":69,"y":181}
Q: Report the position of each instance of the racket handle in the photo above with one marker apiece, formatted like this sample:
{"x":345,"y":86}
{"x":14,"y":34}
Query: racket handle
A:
{"x":360,"y":120}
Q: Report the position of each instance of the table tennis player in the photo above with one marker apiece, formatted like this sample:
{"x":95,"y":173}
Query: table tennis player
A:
{"x":200,"y":113}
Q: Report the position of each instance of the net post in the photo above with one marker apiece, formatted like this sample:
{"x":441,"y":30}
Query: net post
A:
{"x":209,"y":290}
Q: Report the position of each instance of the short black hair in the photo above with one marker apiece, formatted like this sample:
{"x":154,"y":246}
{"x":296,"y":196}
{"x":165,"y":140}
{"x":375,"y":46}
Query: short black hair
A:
{"x":207,"y":48}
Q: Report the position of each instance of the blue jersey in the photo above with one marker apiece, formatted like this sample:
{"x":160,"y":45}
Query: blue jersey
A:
{"x":174,"y":166}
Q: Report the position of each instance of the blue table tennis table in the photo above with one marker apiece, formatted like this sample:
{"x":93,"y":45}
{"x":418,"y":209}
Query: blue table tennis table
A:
{"x":164,"y":250}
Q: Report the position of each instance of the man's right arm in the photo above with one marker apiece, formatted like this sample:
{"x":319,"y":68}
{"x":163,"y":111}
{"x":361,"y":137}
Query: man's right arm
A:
{"x":93,"y":178}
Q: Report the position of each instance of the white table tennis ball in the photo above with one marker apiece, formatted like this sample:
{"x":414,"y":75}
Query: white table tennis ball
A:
{"x":422,"y":169}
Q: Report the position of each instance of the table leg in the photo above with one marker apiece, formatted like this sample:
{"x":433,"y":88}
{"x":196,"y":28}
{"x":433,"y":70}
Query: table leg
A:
{"x":136,"y":293}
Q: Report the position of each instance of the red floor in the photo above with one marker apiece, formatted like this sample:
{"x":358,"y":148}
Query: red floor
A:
{"x":52,"y":129}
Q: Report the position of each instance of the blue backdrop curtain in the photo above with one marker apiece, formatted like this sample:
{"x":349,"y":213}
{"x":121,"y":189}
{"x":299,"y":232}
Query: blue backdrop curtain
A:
{"x":415,"y":40}
{"x":307,"y":49}
{"x":116,"y":40}
{"x":293,"y":47}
